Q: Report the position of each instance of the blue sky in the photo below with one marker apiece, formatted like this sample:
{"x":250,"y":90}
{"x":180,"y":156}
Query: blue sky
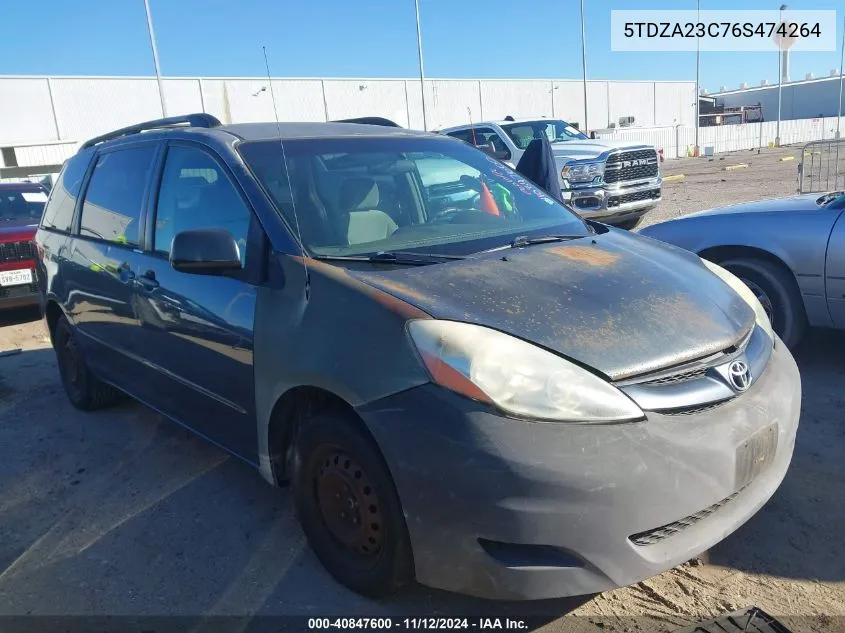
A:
{"x":369,"y":38}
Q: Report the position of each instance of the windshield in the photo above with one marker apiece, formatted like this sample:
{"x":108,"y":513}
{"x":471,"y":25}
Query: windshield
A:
{"x":21,"y":204}
{"x":357,"y":196}
{"x":556,"y":131}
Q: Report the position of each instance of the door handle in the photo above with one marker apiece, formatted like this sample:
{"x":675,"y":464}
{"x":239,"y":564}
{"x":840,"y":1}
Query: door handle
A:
{"x":148,"y":280}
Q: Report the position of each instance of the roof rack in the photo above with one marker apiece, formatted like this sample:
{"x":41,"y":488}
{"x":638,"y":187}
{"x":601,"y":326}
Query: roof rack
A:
{"x":370,"y":120}
{"x":200,"y":119}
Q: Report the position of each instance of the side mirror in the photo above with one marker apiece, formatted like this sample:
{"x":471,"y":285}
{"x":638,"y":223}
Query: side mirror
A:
{"x":205,"y":252}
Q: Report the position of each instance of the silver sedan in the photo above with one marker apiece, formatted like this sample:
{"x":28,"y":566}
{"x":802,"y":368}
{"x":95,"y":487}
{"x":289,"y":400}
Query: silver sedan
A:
{"x":789,"y":251}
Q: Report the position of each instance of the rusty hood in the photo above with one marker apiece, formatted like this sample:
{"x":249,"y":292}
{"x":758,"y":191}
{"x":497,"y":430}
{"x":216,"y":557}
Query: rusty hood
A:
{"x":622,"y":304}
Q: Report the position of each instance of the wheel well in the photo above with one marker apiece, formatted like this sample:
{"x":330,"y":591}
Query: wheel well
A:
{"x":719,"y":254}
{"x":52,"y":314}
{"x":294,"y":406}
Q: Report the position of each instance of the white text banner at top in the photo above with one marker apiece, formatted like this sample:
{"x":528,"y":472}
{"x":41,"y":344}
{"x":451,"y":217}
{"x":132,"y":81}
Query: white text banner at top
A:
{"x":727,"y":30}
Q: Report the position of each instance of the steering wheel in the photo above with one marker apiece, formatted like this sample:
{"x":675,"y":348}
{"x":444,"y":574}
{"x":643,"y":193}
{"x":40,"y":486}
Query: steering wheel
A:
{"x":445,"y":215}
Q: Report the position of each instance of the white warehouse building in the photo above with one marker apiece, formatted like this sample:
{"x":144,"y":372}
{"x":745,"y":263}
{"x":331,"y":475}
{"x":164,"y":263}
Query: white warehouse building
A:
{"x":42,"y":119}
{"x":806,"y":99}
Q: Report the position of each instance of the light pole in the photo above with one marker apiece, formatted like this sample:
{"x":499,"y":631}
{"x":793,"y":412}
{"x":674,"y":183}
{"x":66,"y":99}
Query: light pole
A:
{"x":155,"y":57}
{"x":584,"y":65}
{"x":697,"y":76}
{"x":841,"y":69}
{"x":780,"y":77}
{"x":420,"y":53}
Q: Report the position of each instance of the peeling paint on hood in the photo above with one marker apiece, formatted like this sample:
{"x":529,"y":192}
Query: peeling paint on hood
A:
{"x":616,"y":302}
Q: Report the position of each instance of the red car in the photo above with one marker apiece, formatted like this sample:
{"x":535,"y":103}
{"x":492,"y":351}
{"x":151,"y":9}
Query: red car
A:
{"x":21,"y":205}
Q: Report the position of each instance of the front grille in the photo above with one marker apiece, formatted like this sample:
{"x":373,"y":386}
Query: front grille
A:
{"x":701,"y":408}
{"x":683,"y":376}
{"x":16,"y":251}
{"x":617,"y":169}
{"x":650,"y":537}
{"x":615,"y":201}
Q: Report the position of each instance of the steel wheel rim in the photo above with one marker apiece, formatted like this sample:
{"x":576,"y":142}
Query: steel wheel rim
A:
{"x":348,"y":503}
{"x":763,"y":298}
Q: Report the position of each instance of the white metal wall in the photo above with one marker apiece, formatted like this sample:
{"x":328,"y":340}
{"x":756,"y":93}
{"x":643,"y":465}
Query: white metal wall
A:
{"x":41,"y":110}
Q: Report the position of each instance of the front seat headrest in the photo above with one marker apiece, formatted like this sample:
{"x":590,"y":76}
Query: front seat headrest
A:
{"x":359,"y":194}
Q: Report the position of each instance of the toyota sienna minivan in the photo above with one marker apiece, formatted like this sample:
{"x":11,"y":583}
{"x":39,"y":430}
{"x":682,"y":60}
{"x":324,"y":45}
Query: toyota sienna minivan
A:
{"x":464,"y":382}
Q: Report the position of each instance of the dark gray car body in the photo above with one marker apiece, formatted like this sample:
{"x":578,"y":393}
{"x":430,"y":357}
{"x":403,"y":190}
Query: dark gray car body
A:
{"x":239,"y":360}
{"x":808,"y":239}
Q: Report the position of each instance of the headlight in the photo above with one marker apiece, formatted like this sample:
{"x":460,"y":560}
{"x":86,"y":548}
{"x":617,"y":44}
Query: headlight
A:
{"x":743,"y":291}
{"x":582,"y":172}
{"x":519,"y":378}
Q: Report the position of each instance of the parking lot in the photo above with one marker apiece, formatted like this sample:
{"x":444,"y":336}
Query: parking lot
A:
{"x":120,"y":512}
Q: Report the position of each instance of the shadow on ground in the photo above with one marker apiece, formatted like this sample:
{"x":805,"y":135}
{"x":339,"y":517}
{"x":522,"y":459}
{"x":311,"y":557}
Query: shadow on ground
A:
{"x":798,"y":534}
{"x":121,"y":512}
{"x":19,"y":316}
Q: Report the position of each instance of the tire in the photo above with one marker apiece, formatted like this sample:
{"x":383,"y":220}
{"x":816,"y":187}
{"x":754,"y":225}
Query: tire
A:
{"x":777,"y":291}
{"x":629,"y":225}
{"x":84,"y":390}
{"x":348,"y":506}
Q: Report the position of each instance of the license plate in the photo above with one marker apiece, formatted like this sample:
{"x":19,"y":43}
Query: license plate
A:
{"x":15,"y":277}
{"x":755,"y":454}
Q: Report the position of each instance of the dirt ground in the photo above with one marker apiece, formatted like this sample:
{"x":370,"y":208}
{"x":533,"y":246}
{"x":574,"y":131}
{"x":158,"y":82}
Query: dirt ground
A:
{"x":122,"y":513}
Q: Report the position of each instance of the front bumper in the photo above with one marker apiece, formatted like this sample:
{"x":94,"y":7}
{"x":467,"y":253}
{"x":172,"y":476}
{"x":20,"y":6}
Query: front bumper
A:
{"x":18,"y":296}
{"x":618,"y":203}
{"x":560,"y":502}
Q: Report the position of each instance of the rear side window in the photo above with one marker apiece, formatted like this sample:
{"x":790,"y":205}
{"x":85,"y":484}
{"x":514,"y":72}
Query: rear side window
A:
{"x":484,"y":136}
{"x":58,"y":214}
{"x":115,"y":196}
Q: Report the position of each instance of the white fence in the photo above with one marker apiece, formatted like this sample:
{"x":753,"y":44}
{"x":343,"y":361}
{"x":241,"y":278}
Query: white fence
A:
{"x":679,"y":140}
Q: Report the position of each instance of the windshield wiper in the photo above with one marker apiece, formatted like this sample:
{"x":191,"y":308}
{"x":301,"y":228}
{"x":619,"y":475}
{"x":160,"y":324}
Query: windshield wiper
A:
{"x":393,"y":257}
{"x":521,"y":241}
{"x":524,"y":240}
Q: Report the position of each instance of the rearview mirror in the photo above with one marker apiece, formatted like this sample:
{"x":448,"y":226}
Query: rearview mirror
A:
{"x":205,"y":252}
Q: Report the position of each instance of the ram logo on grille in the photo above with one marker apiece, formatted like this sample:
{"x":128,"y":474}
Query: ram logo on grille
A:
{"x":635,"y":163}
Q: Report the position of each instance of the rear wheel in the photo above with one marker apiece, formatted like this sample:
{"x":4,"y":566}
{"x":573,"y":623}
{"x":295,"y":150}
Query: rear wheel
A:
{"x":348,"y":506}
{"x":83,"y":389}
{"x":777,"y":292}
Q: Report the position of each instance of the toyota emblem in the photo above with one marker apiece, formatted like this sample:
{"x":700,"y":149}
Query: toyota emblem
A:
{"x":739,"y":375}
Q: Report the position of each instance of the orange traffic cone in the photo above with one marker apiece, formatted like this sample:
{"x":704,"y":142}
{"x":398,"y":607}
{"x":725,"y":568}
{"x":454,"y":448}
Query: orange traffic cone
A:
{"x":488,"y":202}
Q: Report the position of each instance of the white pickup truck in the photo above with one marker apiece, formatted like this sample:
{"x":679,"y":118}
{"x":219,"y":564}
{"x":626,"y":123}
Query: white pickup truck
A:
{"x":614,"y":182}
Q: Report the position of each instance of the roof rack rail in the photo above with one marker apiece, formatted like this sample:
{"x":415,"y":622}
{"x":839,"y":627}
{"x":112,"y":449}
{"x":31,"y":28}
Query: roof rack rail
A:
{"x":200,"y":119}
{"x":370,"y":120}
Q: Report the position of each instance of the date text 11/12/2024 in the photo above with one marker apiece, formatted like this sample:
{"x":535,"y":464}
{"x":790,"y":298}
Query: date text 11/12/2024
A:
{"x":421,"y":623}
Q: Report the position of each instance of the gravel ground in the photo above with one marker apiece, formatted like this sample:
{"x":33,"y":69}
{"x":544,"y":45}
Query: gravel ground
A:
{"x":707,"y":184}
{"x":120,"y":512}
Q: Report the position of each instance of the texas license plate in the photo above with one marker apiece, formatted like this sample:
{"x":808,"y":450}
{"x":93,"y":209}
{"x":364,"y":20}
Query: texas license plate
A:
{"x":15,"y":277}
{"x":755,"y":454}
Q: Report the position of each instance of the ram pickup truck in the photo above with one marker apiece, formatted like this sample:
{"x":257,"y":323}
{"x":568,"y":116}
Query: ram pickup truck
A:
{"x":614,"y":182}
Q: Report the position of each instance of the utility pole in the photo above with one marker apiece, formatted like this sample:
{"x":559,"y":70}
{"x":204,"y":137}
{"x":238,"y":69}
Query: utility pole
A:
{"x":422,"y":74}
{"x":155,"y":57}
{"x":584,"y":65}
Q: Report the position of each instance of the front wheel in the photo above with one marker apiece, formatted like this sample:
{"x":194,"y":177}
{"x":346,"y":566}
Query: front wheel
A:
{"x":777,"y":292}
{"x":348,"y":506}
